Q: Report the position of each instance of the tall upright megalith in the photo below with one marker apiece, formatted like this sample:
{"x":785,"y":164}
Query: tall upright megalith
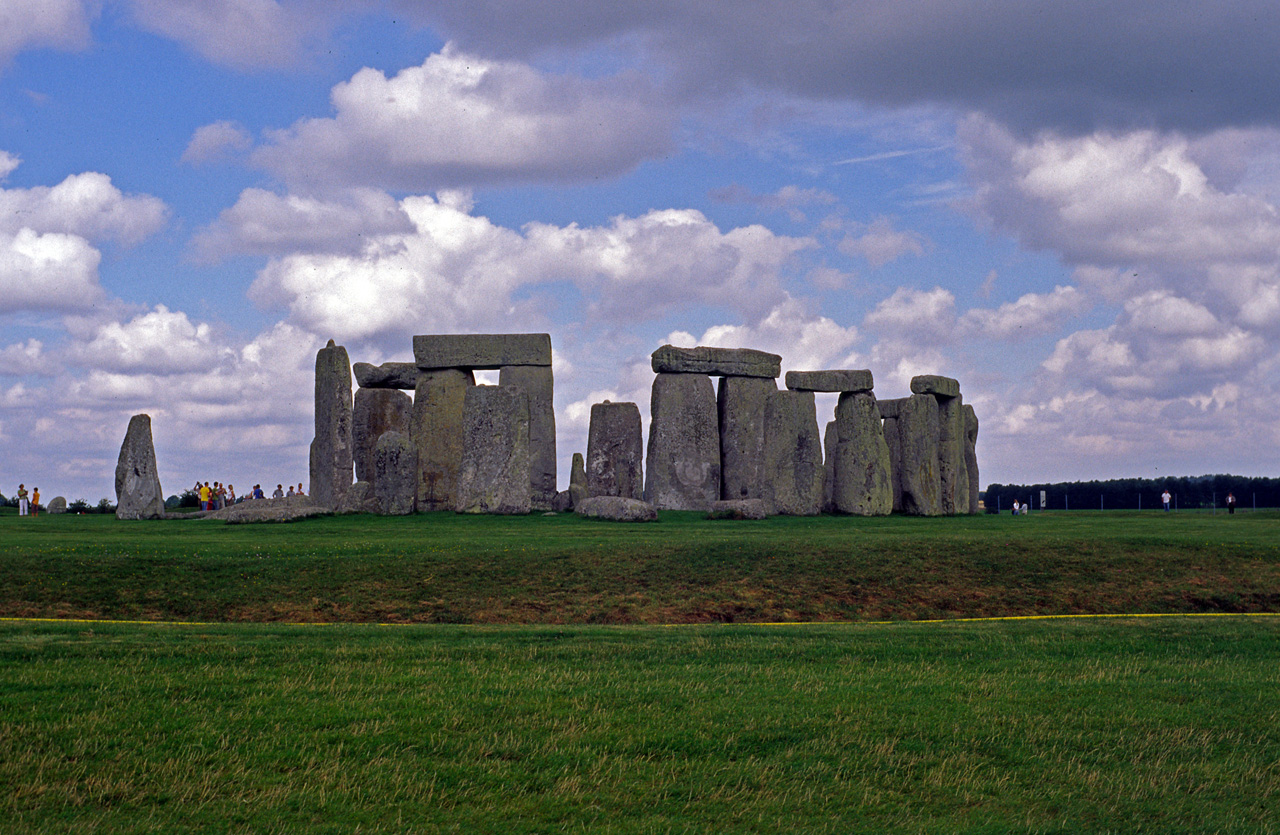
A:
{"x":615,"y":451}
{"x":741,"y":403}
{"x":682,"y":469}
{"x":331,"y":451}
{"x":376,"y":410}
{"x":953,"y":480}
{"x":138,"y":492}
{"x":494,"y":474}
{"x":437,"y":432}
{"x":862,"y":484}
{"x":971,"y":455}
{"x":539,"y":385}
{"x":793,"y":472}
{"x":919,"y":482}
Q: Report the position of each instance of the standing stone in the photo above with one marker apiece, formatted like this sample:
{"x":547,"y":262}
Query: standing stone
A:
{"x":830,"y":439}
{"x":971,"y":455}
{"x":58,"y":505}
{"x":683,"y":466}
{"x":395,"y":480}
{"x":615,"y":451}
{"x":893,"y":441}
{"x":919,"y":485}
{"x":951,"y":467}
{"x":377,"y":410}
{"x":436,"y":429}
{"x":862,"y":458}
{"x":793,"y":454}
{"x":138,"y":493}
{"x":494,"y":477}
{"x":577,"y":481}
{"x":741,"y":404}
{"x":538,"y":385}
{"x":331,"y":451}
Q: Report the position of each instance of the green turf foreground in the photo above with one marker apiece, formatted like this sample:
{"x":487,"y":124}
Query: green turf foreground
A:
{"x":1122,"y":725}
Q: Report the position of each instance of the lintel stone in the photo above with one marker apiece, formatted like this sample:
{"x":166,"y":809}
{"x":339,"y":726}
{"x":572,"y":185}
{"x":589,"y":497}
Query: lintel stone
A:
{"x":935,"y":385}
{"x":833,"y":381}
{"x":481,"y":351}
{"x":716,"y":362}
{"x":389,"y":375}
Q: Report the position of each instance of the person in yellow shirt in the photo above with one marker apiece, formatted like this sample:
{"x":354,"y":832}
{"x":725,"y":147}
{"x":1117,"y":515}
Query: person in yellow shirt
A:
{"x":35,"y":501}
{"x":204,"y":496}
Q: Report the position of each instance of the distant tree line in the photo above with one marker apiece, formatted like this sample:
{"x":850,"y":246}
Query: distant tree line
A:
{"x":1133,"y":493}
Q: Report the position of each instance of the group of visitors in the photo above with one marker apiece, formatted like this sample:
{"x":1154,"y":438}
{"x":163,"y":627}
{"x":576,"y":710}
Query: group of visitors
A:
{"x":219,"y":495}
{"x":1020,"y":508}
{"x":28,"y":503}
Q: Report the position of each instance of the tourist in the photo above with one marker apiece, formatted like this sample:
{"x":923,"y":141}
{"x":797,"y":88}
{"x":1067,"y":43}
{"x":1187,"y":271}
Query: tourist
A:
{"x":231,"y":494}
{"x":1166,"y":498}
{"x":35,"y":501}
{"x":290,"y":493}
{"x":279,"y":494}
{"x":204,"y":496}
{"x":22,"y":500}
{"x":1231,"y":502}
{"x":1015,"y":507}
{"x":300,"y":493}
{"x":257,"y":491}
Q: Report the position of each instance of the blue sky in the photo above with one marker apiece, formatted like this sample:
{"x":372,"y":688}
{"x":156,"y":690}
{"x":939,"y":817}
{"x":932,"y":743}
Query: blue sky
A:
{"x":1071,"y":208}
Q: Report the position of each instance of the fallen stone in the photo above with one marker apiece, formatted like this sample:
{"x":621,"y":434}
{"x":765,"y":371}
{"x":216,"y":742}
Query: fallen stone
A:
{"x":395,"y":483}
{"x":617,"y":509}
{"x":716,"y":362}
{"x":935,"y":385}
{"x":563,"y":502}
{"x":389,"y":375}
{"x":862,"y":485}
{"x":481,"y":351}
{"x":359,"y":499}
{"x":331,"y":451}
{"x":793,"y":455}
{"x":738,"y":509}
{"x":577,"y":480}
{"x":827,"y":381}
{"x":138,"y":493}
{"x":740,"y":402}
{"x":918,"y":483}
{"x":436,"y":430}
{"x":286,"y":509}
{"x":615,"y":451}
{"x":971,"y":455}
{"x":57,"y":505}
{"x":538,"y":385}
{"x":494,"y":477}
{"x":376,"y":411}
{"x":682,"y":468}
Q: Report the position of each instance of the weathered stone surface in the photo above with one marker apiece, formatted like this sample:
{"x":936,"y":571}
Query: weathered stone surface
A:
{"x":538,"y":385}
{"x":862,"y":484}
{"x":57,"y":505}
{"x":436,"y":429}
{"x":936,"y":385}
{"x":376,"y":411}
{"x":838,"y":381}
{"x":577,"y":480}
{"x":615,"y":451}
{"x":889,"y":408}
{"x":617,"y":509}
{"x":395,"y":482}
{"x":739,"y":509}
{"x":971,"y":455}
{"x":918,"y":483}
{"x":389,"y":375}
{"x":893,"y":441}
{"x":494,"y":477}
{"x":740,"y":402}
{"x":563,"y":502}
{"x":262,"y":510}
{"x":716,"y":362}
{"x":359,"y":498}
{"x":683,"y":457}
{"x":830,"y":438}
{"x":481,"y":351}
{"x":138,"y":493}
{"x":954,"y":481}
{"x":793,"y":455}
{"x":331,"y":450}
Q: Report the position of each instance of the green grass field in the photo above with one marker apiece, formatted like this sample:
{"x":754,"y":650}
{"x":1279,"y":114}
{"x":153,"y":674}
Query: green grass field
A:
{"x":445,"y":568}
{"x":526,"y":715}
